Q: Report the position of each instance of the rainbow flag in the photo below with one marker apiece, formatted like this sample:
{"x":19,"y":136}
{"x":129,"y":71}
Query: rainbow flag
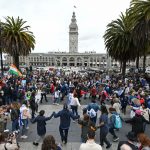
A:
{"x":14,"y":71}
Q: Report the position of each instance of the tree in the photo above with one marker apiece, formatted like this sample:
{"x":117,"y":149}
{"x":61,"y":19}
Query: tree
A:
{"x":18,"y":40}
{"x":119,"y":41}
{"x":140,"y":14}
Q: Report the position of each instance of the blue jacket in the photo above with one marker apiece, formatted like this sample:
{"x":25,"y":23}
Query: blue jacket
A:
{"x":65,"y":118}
{"x":41,"y":124}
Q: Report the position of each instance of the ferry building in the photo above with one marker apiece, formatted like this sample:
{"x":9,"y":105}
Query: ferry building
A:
{"x":71,"y":58}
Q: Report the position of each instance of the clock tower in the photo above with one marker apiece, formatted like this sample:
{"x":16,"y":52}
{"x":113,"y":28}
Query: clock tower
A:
{"x":73,"y":35}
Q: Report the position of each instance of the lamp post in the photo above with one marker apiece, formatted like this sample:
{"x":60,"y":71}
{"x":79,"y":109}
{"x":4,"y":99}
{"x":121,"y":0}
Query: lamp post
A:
{"x":1,"y":53}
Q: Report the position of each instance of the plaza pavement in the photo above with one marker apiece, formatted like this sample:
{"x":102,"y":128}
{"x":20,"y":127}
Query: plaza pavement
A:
{"x":74,"y":131}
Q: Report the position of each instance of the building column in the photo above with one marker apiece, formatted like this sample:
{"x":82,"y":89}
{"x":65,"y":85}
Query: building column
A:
{"x":96,"y":62}
{"x":109,"y":65}
{"x":67,"y":62}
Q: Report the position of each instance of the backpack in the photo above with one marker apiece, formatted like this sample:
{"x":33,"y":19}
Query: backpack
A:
{"x":118,"y":123}
{"x":91,"y":113}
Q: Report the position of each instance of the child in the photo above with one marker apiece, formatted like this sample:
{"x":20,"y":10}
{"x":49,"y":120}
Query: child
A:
{"x":41,"y":125}
{"x":86,"y":125}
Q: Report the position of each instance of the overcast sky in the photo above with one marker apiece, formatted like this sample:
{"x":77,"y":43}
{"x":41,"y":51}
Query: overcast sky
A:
{"x":50,"y":19}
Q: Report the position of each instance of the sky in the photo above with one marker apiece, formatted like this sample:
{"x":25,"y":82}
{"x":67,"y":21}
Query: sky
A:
{"x":50,"y":19}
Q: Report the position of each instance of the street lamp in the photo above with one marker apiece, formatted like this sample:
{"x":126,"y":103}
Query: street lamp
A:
{"x":1,"y":55}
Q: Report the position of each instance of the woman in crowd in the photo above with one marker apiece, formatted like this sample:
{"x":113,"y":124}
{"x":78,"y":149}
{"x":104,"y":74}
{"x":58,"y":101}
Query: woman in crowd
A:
{"x":104,"y":129}
{"x":24,"y":116}
{"x":41,"y":125}
{"x":144,"y":141}
{"x":74,"y":104}
{"x":14,"y":114}
{"x":50,"y":144}
{"x":137,"y":122}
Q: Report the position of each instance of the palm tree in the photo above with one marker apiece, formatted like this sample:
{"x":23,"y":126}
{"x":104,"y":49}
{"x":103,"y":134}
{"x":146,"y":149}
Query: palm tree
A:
{"x":119,"y":41}
{"x":18,"y":40}
{"x":140,"y":14}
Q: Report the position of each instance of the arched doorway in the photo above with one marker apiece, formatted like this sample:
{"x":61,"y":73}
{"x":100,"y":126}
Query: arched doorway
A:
{"x":71,"y":61}
{"x":91,"y":62}
{"x":79,"y":61}
{"x":64,"y":61}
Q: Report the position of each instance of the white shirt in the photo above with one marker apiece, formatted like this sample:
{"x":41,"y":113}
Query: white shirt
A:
{"x":75,"y":102}
{"x":57,"y":94}
{"x":22,"y":109}
{"x":90,"y":145}
{"x":117,"y":106}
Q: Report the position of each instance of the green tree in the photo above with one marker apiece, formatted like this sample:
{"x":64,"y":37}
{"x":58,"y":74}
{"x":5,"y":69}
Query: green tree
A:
{"x":140,"y":14}
{"x":119,"y":41}
{"x":18,"y":40}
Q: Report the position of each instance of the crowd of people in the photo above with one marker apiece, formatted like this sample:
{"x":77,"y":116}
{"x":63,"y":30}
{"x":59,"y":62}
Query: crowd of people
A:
{"x":111,"y":96}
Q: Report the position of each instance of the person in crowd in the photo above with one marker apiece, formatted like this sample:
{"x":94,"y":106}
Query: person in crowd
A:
{"x":130,"y":143}
{"x":2,"y":100}
{"x":7,"y":94}
{"x":137,"y":122}
{"x":9,"y":143}
{"x":92,"y":109}
{"x":14,"y":114}
{"x":112,"y":123}
{"x":38,"y":96}
{"x":43,"y":93}
{"x":117,"y":105}
{"x":74,"y":104}
{"x":3,"y":118}
{"x":41,"y":126}
{"x":56,"y":96}
{"x":145,"y":113}
{"x":86,"y":125}
{"x":70,"y":97}
{"x":65,"y":118}
{"x":24,"y":115}
{"x":144,"y":140}
{"x":124,"y":103}
{"x":90,"y":144}
{"x":78,"y":92}
{"x":93,"y":92}
{"x":135,"y":105}
{"x":104,"y":127}
{"x":33,"y":104}
{"x":50,"y":144}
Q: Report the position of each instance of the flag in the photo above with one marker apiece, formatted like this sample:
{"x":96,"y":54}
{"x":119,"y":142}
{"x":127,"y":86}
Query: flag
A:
{"x":14,"y":71}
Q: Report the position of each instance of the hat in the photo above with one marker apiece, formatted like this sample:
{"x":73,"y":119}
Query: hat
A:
{"x":131,"y":136}
{"x":138,"y":112}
